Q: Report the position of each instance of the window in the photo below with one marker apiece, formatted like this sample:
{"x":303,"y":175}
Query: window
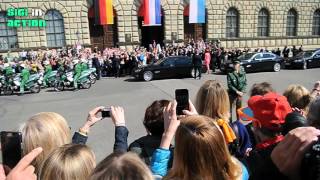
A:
{"x":267,"y":56}
{"x":316,"y":23}
{"x":55,"y":29}
{"x":169,"y":61}
{"x":258,"y":56}
{"x":292,"y":20}
{"x":263,"y":23}
{"x":183,"y":61}
{"x":8,"y":35}
{"x":232,"y":23}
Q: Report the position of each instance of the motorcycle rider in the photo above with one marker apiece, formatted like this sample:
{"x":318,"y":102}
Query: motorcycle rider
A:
{"x":47,"y":71}
{"x":25,"y":74}
{"x":77,"y":73}
{"x":84,"y":64}
{"x":8,"y":72}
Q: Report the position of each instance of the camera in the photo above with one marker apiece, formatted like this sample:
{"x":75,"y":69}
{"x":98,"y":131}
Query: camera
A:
{"x":310,"y":167}
{"x":105,"y":112}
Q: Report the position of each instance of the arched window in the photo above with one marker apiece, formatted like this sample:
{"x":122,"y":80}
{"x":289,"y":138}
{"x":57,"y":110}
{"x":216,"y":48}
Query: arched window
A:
{"x":8,"y":35}
{"x":292,"y":21}
{"x":232,"y":23}
{"x":263,"y":23}
{"x":55,"y":29}
{"x":316,"y":23}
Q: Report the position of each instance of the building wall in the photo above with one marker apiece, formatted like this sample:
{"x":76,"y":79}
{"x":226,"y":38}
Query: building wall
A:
{"x":75,"y":19}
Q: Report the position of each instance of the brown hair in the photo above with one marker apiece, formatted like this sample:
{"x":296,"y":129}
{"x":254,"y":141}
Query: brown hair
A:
{"x":153,"y":117}
{"x":69,"y":162}
{"x":48,"y":130}
{"x":213,"y":100}
{"x":298,"y":96}
{"x":118,"y":166}
{"x":201,"y":152}
{"x":261,"y":89}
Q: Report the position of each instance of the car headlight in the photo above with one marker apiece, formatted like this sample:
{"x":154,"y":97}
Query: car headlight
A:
{"x":137,"y":70}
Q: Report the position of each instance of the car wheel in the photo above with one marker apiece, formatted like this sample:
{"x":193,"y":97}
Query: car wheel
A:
{"x":305,"y":65}
{"x":276,"y":67}
{"x":148,"y":76}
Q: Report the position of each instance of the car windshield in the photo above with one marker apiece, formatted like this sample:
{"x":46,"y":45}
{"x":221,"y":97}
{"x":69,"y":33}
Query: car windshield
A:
{"x":159,"y":62}
{"x":308,"y":54}
{"x":246,"y":56}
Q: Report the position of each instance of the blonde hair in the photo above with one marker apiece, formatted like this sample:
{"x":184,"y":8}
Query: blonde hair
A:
{"x":118,"y":166}
{"x":201,"y":152}
{"x":48,"y":130}
{"x":298,"y":96}
{"x":213,"y":101}
{"x":69,"y":162}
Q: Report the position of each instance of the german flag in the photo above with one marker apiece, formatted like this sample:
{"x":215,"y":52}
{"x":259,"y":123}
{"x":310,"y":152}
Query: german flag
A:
{"x":103,"y":12}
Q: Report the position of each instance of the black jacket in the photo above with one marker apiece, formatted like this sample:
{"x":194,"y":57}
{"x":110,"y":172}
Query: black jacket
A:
{"x":145,"y":146}
{"x":261,"y":166}
{"x":120,"y":143}
{"x":196,"y":61}
{"x":96,"y":63}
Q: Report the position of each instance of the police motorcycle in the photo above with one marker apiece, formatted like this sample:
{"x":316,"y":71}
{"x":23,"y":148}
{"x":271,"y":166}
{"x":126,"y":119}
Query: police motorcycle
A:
{"x":51,"y":79}
{"x":93,"y":74}
{"x":66,"y":80}
{"x":33,"y":84}
{"x":2,"y":84}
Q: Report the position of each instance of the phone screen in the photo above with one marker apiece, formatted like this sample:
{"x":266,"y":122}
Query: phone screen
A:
{"x":182,"y":98}
{"x":11,"y":148}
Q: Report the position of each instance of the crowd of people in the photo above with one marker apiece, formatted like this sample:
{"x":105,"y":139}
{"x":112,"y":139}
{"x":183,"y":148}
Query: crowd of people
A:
{"x":201,"y":144}
{"x":120,"y":62}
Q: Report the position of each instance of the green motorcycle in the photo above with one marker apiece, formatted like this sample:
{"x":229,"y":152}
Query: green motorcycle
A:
{"x":33,"y":84}
{"x":50,"y":78}
{"x":92,"y":76}
{"x":66,"y":80}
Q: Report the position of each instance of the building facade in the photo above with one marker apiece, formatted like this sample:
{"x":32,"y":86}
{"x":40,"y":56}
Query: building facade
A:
{"x":236,"y":23}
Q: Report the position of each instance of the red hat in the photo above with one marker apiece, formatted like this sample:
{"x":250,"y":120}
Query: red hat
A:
{"x":270,"y":110}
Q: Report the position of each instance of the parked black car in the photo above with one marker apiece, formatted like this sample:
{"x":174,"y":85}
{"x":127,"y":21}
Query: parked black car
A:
{"x":174,"y":66}
{"x":255,"y":62}
{"x":304,"y":60}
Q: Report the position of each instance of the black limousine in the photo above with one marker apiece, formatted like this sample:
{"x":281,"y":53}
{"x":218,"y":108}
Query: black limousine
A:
{"x":169,"y":67}
{"x":304,"y":60}
{"x":256,"y":62}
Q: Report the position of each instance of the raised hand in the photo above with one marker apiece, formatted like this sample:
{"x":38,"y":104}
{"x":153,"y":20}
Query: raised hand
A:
{"x":117,"y":116}
{"x":192,"y":110}
{"x":288,"y":154}
{"x":171,"y":124}
{"x":23,"y":170}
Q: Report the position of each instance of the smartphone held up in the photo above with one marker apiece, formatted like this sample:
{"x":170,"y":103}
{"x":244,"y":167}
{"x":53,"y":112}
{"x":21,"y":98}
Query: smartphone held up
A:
{"x":11,"y":148}
{"x":182,"y":98}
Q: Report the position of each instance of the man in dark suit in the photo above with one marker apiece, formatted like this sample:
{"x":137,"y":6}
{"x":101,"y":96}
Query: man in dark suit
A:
{"x":116,"y":65}
{"x":197,"y":64}
{"x":96,"y":64}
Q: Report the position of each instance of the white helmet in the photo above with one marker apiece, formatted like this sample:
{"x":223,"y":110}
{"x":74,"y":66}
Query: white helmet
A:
{"x":46,"y":62}
{"x":6,"y":65}
{"x":23,"y":65}
{"x":76,"y":61}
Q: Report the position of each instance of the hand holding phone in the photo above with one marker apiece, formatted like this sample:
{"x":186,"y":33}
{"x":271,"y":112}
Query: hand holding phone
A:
{"x":182,"y":98}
